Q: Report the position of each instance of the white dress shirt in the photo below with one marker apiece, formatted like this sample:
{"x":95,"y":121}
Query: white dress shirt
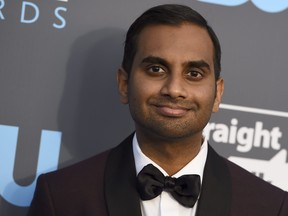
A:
{"x":165,"y":204}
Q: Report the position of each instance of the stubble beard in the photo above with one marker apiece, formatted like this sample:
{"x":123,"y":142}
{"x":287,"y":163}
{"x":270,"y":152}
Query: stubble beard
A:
{"x":169,"y":128}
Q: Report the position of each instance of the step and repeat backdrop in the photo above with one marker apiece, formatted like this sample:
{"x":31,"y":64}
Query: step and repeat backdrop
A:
{"x":59,"y":101}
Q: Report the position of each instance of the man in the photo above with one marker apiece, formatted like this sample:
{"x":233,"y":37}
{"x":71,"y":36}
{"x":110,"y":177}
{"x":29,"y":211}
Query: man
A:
{"x":170,"y":77}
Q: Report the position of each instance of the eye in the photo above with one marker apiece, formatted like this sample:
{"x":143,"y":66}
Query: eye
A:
{"x":194,"y":74}
{"x":155,"y":69}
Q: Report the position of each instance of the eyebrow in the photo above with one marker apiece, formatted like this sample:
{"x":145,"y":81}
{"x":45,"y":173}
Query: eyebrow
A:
{"x":197,"y":64}
{"x":187,"y":64}
{"x":155,"y":60}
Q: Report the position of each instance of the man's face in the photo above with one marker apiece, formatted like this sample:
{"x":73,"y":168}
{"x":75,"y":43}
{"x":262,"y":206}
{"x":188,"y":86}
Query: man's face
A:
{"x":171,"y":89}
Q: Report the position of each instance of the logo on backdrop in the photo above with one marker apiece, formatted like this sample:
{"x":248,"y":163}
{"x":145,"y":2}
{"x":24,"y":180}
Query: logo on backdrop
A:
{"x":47,"y":161}
{"x":2,"y":5}
{"x":31,"y":12}
{"x":258,"y":136}
{"x":270,"y":6}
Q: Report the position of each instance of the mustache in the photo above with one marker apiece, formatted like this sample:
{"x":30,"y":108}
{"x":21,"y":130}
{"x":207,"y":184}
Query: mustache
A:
{"x":172,"y":102}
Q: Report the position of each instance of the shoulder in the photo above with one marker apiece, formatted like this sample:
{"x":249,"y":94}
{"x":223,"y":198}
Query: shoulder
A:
{"x":251,"y":193}
{"x":70,"y":190}
{"x":76,"y":188}
{"x":248,"y":194}
{"x":240,"y":176}
{"x":76,"y":180}
{"x":90,"y":168}
{"x":241,"y":179}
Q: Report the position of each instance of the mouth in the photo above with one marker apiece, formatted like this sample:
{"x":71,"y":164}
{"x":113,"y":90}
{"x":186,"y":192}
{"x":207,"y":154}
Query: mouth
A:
{"x":172,"y":111}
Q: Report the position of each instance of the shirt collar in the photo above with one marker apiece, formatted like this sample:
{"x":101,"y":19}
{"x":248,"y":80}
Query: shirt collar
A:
{"x":195,"y":166}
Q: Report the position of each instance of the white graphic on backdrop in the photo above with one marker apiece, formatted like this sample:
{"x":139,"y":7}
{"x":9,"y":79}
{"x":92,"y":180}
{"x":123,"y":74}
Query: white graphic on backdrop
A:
{"x":270,"y":171}
{"x":31,"y":12}
{"x":254,"y":110}
{"x":270,"y":6}
{"x":2,"y":5}
{"x":246,"y":139}
{"x":49,"y":151}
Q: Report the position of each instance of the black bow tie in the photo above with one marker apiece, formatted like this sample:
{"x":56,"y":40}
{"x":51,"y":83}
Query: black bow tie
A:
{"x":151,"y":182}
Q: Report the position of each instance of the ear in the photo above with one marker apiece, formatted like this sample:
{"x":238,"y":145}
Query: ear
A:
{"x":122,"y":80}
{"x":219,"y":93}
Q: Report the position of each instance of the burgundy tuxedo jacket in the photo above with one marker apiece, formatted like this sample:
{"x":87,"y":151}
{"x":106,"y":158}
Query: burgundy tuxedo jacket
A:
{"x":105,"y":185}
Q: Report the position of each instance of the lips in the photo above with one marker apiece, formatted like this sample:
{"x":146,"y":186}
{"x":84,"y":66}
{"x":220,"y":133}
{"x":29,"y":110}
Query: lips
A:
{"x":171,"y":111}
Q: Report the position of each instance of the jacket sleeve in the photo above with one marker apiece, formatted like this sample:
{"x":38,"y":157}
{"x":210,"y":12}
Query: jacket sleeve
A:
{"x":42,"y":202}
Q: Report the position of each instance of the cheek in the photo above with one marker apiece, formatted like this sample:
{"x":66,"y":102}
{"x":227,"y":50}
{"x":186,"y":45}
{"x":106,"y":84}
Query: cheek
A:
{"x":142,"y":89}
{"x":137,"y":95}
{"x":206,"y":92}
{"x":205,"y":97}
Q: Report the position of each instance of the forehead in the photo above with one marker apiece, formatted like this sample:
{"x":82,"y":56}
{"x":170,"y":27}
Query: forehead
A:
{"x":185,"y":42}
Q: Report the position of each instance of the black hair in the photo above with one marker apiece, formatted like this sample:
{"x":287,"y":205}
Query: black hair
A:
{"x":168,"y":14}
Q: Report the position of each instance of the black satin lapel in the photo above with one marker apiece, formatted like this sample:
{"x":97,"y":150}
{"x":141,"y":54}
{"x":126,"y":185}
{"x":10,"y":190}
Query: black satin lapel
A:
{"x":215,"y":198}
{"x":120,"y":180}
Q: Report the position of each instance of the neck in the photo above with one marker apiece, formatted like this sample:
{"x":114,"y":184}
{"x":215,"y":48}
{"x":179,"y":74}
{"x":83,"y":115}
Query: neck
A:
{"x":171,"y":155}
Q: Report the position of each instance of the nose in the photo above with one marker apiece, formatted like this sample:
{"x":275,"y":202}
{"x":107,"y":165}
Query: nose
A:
{"x":174,"y":87}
